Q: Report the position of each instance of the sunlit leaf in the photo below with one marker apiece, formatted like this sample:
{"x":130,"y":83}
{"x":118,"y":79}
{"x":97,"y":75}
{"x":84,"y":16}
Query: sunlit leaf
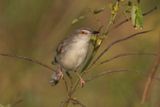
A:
{"x":137,"y":17}
{"x":98,"y":42}
{"x":115,"y":8}
{"x":76,"y":20}
{"x":97,"y":11}
{"x":81,"y":17}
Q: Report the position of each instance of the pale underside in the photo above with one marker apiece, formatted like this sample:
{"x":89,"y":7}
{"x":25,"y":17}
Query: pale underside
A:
{"x":74,"y":54}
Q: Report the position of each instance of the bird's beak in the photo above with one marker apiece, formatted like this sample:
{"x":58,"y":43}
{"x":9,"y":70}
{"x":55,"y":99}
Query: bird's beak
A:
{"x":95,"y":32}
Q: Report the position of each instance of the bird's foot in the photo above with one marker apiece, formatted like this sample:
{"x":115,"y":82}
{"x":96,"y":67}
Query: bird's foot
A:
{"x":60,"y":75}
{"x":82,"y":82}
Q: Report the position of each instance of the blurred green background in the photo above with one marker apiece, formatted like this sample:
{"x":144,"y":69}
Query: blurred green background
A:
{"x":33,"y":28}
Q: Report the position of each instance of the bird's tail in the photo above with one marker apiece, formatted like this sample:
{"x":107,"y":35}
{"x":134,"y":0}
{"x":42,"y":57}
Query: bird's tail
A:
{"x":56,"y":76}
{"x":54,"y":79}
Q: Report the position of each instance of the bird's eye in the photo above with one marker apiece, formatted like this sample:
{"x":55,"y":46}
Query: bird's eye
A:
{"x":83,"y":32}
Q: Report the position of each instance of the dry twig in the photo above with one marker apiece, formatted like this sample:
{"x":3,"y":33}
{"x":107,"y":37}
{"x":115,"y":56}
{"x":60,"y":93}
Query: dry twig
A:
{"x":150,"y":80}
{"x":125,"y":55}
{"x":104,"y":74}
{"x":28,"y":59}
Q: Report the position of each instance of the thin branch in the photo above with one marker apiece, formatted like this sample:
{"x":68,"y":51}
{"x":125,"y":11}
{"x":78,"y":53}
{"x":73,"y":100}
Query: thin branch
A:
{"x":28,"y":59}
{"x":69,"y":100}
{"x":125,"y":55}
{"x":66,"y":85}
{"x":128,"y":19}
{"x":76,"y":102}
{"x":150,"y":79}
{"x":65,"y":103}
{"x":73,"y":89}
{"x":104,"y":74}
{"x":118,"y":41}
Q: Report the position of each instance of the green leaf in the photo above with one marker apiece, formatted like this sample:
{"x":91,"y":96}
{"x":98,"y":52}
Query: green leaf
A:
{"x":137,"y":17}
{"x":76,"y":20}
{"x":98,"y":42}
{"x":114,"y":10}
{"x":81,"y":17}
{"x":97,"y":11}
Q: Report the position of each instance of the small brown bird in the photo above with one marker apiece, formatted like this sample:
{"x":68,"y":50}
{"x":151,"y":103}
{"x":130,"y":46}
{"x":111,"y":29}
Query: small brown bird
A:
{"x":71,"y":53}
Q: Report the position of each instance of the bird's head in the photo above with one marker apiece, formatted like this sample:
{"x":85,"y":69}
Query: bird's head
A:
{"x":86,"y":33}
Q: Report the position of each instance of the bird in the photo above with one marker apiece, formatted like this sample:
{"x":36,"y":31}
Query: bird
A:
{"x":71,"y":53}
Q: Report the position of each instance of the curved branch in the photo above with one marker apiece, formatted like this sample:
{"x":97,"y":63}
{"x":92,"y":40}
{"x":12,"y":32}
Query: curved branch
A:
{"x":76,"y":102}
{"x":126,"y":54}
{"x":149,"y":81}
{"x":28,"y":59}
{"x":118,"y":41}
{"x":105,"y":73}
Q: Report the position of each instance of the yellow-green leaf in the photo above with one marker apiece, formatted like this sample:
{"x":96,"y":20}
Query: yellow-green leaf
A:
{"x":76,"y":20}
{"x":137,"y":17}
{"x":97,"y":11}
{"x":98,"y":42}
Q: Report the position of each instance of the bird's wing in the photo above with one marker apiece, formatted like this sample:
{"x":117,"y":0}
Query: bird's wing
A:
{"x":62,"y":47}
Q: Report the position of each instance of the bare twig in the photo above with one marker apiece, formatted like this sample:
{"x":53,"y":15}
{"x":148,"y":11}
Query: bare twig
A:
{"x":150,"y":80}
{"x":128,"y":19}
{"x":126,"y":54}
{"x":74,"y":87}
{"x":104,"y":74}
{"x":120,"y":56}
{"x":76,"y":102}
{"x":118,"y":41}
{"x":28,"y":59}
{"x":66,"y":85}
{"x":69,"y":100}
{"x":65,"y":103}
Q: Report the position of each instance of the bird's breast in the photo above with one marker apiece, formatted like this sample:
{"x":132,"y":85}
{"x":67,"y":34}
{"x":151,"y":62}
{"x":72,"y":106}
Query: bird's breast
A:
{"x":75,"y":55}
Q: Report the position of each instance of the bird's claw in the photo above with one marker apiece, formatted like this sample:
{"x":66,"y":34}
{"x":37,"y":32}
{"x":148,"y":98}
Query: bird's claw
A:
{"x":82,"y":82}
